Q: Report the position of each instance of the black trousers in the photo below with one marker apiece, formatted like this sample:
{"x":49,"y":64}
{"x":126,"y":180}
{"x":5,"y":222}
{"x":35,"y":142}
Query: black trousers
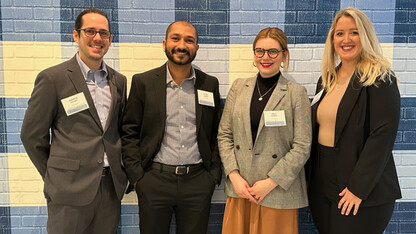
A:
{"x":323,"y":202}
{"x":161,"y":193}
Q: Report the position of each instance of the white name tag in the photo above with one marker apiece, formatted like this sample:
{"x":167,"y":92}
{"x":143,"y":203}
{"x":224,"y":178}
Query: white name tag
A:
{"x":205,"y":98}
{"x":274,"y":118}
{"x":75,"y":103}
{"x":317,"y":97}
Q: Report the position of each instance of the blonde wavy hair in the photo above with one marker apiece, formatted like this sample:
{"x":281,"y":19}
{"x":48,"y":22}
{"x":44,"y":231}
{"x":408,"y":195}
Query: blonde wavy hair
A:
{"x":371,"y":62}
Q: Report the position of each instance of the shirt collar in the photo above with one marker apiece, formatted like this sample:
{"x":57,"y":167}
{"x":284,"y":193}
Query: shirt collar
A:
{"x":85,"y":69}
{"x":169,"y":78}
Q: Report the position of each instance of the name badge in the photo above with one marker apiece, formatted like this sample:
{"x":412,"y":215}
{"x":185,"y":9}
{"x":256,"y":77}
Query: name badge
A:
{"x":205,"y":98}
{"x":274,"y":118}
{"x":75,"y":103}
{"x":317,"y":97}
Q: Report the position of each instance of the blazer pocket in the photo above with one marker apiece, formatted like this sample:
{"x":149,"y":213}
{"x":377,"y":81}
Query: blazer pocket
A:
{"x":63,"y":163}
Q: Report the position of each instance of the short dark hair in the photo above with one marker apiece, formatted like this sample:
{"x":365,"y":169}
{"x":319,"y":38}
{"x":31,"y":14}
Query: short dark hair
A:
{"x":182,"y":22}
{"x":78,"y":21}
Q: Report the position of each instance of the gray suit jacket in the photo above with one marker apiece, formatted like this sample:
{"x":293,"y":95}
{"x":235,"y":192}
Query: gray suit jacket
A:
{"x":278,"y":152}
{"x":68,"y":150}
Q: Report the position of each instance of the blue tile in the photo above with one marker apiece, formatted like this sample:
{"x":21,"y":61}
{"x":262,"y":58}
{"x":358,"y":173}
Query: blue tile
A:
{"x":33,"y":26}
{"x":315,"y":16}
{"x":208,"y":17}
{"x":5,"y":222}
{"x":34,"y":221}
{"x":404,"y":146}
{"x":327,"y":5}
{"x":401,"y":16}
{"x":191,"y":5}
{"x":410,"y":4}
{"x":310,"y":39}
{"x":182,"y":15}
{"x":218,"y":29}
{"x":299,"y":29}
{"x":71,"y":8}
{"x":404,"y":28}
{"x":409,"y":137}
{"x":412,"y":39}
{"x":408,"y":102}
{"x":322,"y":29}
{"x":259,"y":5}
{"x":76,"y":3}
{"x":383,"y":16}
{"x":290,"y":17}
{"x":409,"y":113}
{"x":218,"y":5}
{"x":204,"y":19}
{"x":399,"y":137}
{"x":67,"y":14}
{"x":407,"y":227}
{"x":17,"y":13}
{"x":300,"y":5}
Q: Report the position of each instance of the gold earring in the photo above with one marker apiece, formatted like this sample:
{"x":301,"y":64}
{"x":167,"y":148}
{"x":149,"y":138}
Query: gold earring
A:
{"x":254,"y":64}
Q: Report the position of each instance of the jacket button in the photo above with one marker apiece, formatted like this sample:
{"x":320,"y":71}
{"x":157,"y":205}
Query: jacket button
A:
{"x":274,"y":156}
{"x":237,"y":147}
{"x":99,"y":161}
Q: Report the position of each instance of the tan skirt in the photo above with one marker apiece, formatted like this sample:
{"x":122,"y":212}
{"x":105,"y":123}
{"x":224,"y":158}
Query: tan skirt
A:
{"x":244,"y":217}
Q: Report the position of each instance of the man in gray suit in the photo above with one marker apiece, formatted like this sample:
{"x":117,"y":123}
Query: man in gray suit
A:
{"x":71,"y":133}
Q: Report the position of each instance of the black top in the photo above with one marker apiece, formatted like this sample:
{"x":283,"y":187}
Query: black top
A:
{"x":257,"y":106}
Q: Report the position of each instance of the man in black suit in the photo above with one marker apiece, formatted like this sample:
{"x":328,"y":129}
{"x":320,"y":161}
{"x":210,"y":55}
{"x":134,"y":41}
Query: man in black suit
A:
{"x":170,"y":138}
{"x":71,"y":133}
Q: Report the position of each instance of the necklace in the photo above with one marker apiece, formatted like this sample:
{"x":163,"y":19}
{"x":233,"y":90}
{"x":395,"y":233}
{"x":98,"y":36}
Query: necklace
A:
{"x":258,"y":90}
{"x":338,"y":86}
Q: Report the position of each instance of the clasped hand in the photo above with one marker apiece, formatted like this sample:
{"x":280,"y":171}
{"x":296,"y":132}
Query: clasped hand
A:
{"x":255,"y":193}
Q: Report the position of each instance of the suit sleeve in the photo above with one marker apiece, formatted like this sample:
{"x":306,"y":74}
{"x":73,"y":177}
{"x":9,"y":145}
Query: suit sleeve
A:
{"x":225,"y":133}
{"x":288,"y":168}
{"x":131,"y":128}
{"x":38,"y":120}
{"x":384,"y":114}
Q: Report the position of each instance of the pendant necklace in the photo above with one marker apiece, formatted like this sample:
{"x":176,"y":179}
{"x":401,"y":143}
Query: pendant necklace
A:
{"x":258,"y":90}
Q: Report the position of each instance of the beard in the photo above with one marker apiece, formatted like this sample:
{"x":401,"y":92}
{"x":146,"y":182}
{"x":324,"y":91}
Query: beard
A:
{"x":170,"y":53}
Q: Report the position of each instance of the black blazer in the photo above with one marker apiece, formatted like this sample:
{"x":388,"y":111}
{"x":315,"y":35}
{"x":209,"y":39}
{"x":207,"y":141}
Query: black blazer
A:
{"x":365,"y":130}
{"x":145,"y":117}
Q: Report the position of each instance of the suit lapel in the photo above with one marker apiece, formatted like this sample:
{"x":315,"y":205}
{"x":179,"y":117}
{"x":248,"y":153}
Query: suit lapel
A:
{"x":314,"y":108}
{"x":113,"y":89}
{"x":159,"y":86}
{"x":246,"y":95}
{"x":278,"y":93}
{"x":346,"y":106}
{"x":198,"y":108}
{"x":77,"y":78}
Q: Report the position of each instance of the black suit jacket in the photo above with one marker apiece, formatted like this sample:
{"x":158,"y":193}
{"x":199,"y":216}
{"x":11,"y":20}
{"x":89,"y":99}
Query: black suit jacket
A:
{"x":145,"y":118}
{"x":365,"y":130}
{"x":68,"y":151}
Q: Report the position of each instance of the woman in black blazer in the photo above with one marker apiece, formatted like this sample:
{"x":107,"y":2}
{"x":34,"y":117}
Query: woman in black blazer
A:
{"x":353,"y":182}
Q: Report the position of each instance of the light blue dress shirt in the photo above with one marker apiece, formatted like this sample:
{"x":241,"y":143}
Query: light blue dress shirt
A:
{"x":179,"y":145}
{"x":97,"y":82}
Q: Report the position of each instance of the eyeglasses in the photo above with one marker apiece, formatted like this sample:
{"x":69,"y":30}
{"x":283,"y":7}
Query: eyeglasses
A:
{"x":90,"y":32}
{"x":273,"y":52}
